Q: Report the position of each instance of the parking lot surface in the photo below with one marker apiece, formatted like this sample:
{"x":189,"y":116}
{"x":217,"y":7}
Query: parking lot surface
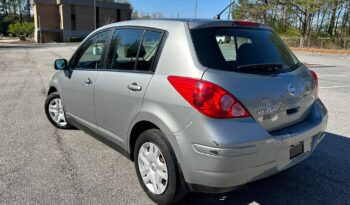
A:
{"x":40,"y":164}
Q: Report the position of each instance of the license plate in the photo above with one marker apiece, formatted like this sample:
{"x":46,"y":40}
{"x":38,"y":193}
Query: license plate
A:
{"x":296,"y":150}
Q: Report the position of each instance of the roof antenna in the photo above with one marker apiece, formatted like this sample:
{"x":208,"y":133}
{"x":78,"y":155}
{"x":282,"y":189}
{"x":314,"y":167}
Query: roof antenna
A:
{"x":218,"y":17}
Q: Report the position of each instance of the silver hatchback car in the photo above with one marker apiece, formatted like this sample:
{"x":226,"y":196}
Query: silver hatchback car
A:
{"x":198,"y":105}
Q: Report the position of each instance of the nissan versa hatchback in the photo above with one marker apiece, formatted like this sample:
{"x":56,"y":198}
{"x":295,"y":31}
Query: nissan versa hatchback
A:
{"x":198,"y":105}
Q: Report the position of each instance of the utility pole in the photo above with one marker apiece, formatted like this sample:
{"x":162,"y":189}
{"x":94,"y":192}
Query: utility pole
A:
{"x":195,"y":10}
{"x":95,"y":23}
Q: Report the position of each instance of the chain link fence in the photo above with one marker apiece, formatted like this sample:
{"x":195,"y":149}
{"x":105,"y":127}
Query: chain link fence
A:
{"x":323,"y":43}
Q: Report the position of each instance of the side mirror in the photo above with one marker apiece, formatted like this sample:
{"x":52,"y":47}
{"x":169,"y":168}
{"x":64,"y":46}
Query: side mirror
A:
{"x":61,"y":64}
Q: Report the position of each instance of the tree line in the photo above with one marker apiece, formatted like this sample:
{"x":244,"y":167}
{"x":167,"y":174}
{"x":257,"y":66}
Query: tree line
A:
{"x":306,"y":19}
{"x":145,"y":15}
{"x":16,"y":13}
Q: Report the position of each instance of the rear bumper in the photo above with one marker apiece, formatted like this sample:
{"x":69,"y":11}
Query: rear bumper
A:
{"x":243,"y":152}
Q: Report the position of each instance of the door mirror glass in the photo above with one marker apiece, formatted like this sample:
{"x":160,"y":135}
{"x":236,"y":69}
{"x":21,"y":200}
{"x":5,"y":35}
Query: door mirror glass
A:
{"x":61,"y":64}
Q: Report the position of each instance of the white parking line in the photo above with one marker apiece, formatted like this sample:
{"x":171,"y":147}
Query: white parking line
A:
{"x":334,"y":86}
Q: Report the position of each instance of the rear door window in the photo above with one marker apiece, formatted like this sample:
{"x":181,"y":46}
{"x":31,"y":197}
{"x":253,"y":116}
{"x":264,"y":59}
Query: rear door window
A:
{"x":148,"y":50}
{"x":134,"y":49}
{"x":229,"y":48}
{"x":123,"y":52}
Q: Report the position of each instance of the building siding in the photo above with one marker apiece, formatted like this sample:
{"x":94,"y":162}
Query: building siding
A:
{"x":56,"y":18}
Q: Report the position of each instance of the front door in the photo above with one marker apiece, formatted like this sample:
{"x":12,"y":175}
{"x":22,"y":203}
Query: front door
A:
{"x":120,"y":88}
{"x":78,"y":86}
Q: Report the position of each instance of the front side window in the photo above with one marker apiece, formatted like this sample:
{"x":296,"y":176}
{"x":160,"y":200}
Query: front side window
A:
{"x":91,"y":52}
{"x":124,"y":48}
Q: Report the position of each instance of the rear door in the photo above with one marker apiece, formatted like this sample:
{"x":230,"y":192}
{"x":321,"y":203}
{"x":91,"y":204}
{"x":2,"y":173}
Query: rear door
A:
{"x":78,"y":87}
{"x":120,"y":87}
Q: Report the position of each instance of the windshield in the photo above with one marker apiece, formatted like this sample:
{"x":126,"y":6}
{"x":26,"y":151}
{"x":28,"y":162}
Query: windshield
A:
{"x":232,"y":48}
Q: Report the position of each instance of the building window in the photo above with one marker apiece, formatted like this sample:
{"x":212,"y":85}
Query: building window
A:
{"x":73,"y":19}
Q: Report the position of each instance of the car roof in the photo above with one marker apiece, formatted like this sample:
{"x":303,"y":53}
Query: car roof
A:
{"x":166,"y":22}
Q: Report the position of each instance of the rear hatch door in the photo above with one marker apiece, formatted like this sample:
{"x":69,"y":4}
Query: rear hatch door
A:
{"x":274,"y":102}
{"x":256,"y":66}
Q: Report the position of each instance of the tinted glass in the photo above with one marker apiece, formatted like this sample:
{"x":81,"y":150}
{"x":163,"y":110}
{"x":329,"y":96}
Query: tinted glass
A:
{"x":227,"y":48}
{"x":148,"y":50}
{"x":124,"y":49}
{"x":91,"y":52}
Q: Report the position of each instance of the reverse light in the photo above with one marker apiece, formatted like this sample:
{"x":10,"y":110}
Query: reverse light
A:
{"x":314,"y":75}
{"x":208,"y":98}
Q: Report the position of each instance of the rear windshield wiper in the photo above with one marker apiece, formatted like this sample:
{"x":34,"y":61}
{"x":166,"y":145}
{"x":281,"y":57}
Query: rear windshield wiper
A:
{"x":260,"y":68}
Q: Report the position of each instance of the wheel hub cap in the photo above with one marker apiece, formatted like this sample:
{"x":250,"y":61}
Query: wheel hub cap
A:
{"x":56,"y":112}
{"x":153,"y":168}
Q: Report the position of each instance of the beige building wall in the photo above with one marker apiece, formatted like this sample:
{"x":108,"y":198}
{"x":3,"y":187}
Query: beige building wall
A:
{"x":56,"y":18}
{"x":107,"y":16}
{"x":46,"y":16}
{"x":65,"y":17}
{"x":84,"y":18}
{"x":49,"y":16}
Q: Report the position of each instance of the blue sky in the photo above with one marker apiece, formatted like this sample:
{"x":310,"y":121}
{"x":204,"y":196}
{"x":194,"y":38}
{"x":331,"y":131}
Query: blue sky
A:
{"x":185,"y":8}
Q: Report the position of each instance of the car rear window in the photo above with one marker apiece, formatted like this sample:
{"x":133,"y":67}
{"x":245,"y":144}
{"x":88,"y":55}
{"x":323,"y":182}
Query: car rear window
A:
{"x":229,"y":48}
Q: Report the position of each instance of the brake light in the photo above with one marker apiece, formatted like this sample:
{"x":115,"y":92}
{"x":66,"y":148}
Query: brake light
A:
{"x":208,"y":98}
{"x":246,"y":23}
{"x":314,"y":75}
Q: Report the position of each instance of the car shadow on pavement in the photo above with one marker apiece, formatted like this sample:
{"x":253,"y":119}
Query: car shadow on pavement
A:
{"x":323,"y":178}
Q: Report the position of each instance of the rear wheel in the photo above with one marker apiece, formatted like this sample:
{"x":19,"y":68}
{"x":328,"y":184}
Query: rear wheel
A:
{"x":157,"y":168}
{"x":55,"y":112}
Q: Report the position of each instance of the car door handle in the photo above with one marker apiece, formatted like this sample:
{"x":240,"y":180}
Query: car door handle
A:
{"x":134,"y":87}
{"x":88,"y":81}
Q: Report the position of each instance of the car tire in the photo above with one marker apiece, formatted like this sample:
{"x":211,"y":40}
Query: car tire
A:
{"x":176,"y":189}
{"x":54,"y":111}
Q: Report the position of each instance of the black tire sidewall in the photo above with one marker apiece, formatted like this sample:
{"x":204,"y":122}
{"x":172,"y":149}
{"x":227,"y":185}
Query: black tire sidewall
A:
{"x":157,"y":137}
{"x":49,"y":98}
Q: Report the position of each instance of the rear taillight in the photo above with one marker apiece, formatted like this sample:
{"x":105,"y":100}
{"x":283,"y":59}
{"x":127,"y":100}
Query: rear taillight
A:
{"x":314,"y":75}
{"x":208,"y":98}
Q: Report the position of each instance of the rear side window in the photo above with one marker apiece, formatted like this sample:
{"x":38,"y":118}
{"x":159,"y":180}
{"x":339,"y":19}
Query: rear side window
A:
{"x":229,"y":48}
{"x":133,"y":49}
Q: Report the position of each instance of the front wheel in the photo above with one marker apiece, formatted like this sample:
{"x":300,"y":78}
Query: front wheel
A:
{"x":157,"y":168}
{"x":55,"y":112}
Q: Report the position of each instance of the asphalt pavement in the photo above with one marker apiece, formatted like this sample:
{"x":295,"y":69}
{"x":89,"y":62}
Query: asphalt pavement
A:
{"x":40,"y":164}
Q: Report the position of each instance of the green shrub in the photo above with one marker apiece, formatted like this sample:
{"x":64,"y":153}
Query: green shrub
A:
{"x":24,"y":29}
{"x":75,"y":39}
